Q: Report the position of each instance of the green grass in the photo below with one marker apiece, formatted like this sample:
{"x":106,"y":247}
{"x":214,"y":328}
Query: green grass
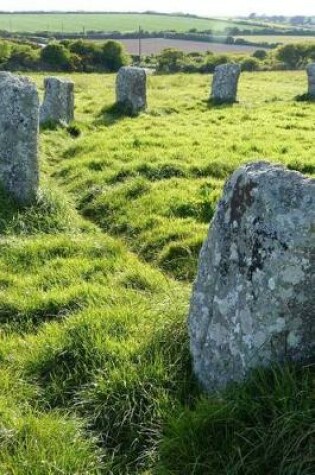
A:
{"x":284,"y":39}
{"x":75,"y":22}
{"x":265,"y":426}
{"x":95,"y":280}
{"x":154,"y":180}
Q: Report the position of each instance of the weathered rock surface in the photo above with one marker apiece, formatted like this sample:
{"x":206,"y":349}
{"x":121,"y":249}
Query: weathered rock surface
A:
{"x":19,"y":106}
{"x":253,"y":302}
{"x":225,"y":82}
{"x":131,"y":89}
{"x":311,"y":79}
{"x":58,"y":105}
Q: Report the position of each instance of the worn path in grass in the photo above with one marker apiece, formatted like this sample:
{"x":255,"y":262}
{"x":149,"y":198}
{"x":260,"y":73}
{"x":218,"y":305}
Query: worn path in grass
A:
{"x":154,"y":180}
{"x":95,"y":375}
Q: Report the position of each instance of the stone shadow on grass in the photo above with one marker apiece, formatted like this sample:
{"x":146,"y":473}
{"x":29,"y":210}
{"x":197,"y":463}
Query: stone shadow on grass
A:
{"x":110,"y":115}
{"x":10,"y":210}
{"x":49,"y":214}
{"x":215,"y":103}
{"x":306,"y":97}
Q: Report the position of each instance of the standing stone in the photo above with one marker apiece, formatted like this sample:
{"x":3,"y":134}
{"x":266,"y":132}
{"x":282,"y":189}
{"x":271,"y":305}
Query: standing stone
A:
{"x":253,"y":301}
{"x":19,"y":105}
{"x":225,"y":81}
{"x":131,"y":89}
{"x":58,"y":105}
{"x":311,"y":80}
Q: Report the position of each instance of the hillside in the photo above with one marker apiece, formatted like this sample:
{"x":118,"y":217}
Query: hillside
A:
{"x":95,"y":281}
{"x":123,"y":22}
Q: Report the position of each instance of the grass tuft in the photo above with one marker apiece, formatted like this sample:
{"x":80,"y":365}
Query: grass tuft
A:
{"x":264,"y":426}
{"x":95,"y":280}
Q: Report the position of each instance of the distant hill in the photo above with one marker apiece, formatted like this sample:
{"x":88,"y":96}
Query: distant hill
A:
{"x":80,"y":21}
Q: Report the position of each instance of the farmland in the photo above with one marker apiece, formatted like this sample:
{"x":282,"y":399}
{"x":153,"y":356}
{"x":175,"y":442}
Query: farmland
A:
{"x":123,"y":22}
{"x":284,"y":39}
{"x":95,"y":281}
{"x":156,"y":45}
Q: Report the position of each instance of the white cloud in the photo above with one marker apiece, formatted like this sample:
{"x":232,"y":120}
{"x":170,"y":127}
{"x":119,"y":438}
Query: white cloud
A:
{"x":204,"y":7}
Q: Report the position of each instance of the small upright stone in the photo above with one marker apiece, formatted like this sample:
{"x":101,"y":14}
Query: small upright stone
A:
{"x":253,"y":302}
{"x":131,"y":89}
{"x":225,"y":82}
{"x":311,"y":80}
{"x":19,"y":105}
{"x":58,"y":105}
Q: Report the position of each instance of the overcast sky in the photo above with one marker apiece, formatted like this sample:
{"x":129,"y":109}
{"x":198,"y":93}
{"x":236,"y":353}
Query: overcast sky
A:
{"x":203,"y":7}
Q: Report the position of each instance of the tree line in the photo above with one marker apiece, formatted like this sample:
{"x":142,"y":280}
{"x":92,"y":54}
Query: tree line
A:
{"x":66,"y":55}
{"x":109,"y":56}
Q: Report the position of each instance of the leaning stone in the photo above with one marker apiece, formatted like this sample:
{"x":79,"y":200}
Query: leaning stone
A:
{"x":253,"y":302}
{"x":19,"y":137}
{"x":311,"y":80}
{"x":131,"y":89}
{"x":58,"y":105}
{"x":225,"y":82}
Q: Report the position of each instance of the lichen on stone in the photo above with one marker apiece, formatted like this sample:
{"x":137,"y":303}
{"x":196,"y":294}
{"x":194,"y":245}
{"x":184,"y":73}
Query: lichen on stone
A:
{"x":253,"y":301}
{"x":58,"y":104}
{"x":225,"y":82}
{"x":19,"y":174}
{"x":131,"y":91}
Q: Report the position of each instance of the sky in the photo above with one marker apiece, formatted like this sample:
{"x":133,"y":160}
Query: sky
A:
{"x":209,"y":8}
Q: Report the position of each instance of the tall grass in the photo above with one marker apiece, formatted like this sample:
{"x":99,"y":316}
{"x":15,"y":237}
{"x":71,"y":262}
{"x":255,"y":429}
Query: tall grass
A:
{"x":95,"y":279}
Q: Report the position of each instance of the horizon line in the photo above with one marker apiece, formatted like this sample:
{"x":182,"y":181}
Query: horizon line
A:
{"x":143,"y":12}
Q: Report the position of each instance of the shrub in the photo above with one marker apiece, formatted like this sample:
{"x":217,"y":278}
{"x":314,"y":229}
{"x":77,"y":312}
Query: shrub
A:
{"x":170,"y":60}
{"x":250,"y":64}
{"x":260,"y":54}
{"x":24,"y":58}
{"x":296,"y":55}
{"x":56,"y":55}
{"x":114,"y":55}
{"x":88,"y":52}
{"x":4,"y":51}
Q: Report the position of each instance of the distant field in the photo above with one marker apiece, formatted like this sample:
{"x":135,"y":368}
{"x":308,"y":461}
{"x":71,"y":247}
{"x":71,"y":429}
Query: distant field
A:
{"x":76,"y":22}
{"x":156,"y":45}
{"x":278,"y":39}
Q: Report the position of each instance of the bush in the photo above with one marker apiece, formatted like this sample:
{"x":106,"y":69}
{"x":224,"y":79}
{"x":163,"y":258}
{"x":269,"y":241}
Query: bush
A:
{"x":88,"y":52}
{"x":250,"y":64}
{"x":56,"y":55}
{"x":296,"y":55}
{"x":4,"y":51}
{"x":170,"y":60}
{"x":85,"y":55}
{"x":114,"y":55}
{"x":24,"y":58}
{"x":260,"y":54}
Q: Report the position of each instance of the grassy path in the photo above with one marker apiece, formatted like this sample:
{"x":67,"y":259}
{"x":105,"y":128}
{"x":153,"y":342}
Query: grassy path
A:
{"x":95,"y":373}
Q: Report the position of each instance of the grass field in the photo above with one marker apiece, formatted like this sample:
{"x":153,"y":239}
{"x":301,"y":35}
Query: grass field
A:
{"x":74,"y":22}
{"x":278,"y":39}
{"x":95,"y":279}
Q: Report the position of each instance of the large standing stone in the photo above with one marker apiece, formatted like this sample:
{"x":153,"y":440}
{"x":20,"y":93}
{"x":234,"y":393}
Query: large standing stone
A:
{"x":225,"y":81}
{"x":253,"y":301}
{"x":131,"y":89}
{"x":19,"y":105}
{"x":58,"y":105}
{"x":311,"y":80}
